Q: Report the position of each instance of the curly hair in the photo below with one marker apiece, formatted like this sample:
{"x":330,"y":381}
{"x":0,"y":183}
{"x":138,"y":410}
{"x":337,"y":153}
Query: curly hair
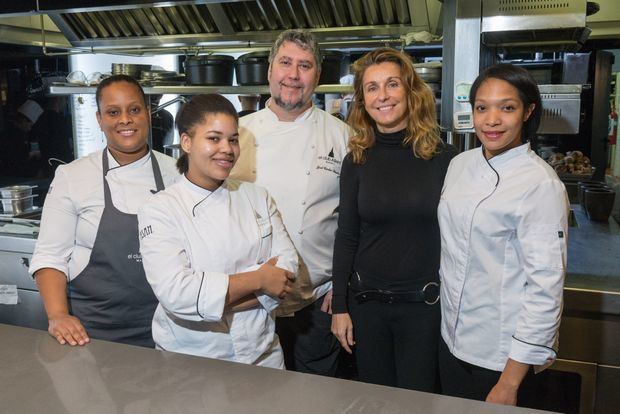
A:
{"x":422,"y":129}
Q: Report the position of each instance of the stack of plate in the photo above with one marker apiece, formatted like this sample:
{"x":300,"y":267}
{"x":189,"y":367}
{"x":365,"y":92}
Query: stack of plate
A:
{"x":156,"y":77}
{"x":129,"y":69}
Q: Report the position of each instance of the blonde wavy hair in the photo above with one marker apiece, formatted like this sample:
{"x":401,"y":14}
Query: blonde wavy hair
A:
{"x":422,"y":129}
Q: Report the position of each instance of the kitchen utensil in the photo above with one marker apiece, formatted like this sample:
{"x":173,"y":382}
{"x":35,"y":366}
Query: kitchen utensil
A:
{"x":581,"y":188}
{"x":252,"y":68}
{"x":17,"y":206}
{"x":214,"y":70}
{"x":17,"y":191}
{"x":599,"y":202}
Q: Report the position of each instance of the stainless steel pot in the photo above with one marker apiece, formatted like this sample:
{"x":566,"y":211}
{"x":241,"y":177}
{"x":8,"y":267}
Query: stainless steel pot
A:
{"x":17,"y":206}
{"x":429,"y":74}
{"x":16,"y":191}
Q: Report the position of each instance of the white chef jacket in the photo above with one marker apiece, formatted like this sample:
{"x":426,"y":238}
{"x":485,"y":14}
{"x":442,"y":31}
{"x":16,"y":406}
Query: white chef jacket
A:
{"x":503,"y":258}
{"x":299,"y":164}
{"x":191,"y":240}
{"x":75,"y":201}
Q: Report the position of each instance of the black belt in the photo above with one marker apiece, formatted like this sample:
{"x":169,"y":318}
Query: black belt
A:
{"x":429,"y":294}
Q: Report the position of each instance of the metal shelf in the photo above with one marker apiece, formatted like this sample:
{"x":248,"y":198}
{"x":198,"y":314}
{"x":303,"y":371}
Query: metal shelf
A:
{"x":195,"y":89}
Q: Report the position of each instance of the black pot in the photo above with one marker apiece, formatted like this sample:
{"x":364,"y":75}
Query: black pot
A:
{"x":334,"y":66}
{"x":252,"y":68}
{"x":581,"y":190}
{"x":599,"y":202}
{"x":211,"y":70}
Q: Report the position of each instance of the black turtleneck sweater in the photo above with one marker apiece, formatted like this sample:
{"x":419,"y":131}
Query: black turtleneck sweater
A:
{"x":387,"y":225}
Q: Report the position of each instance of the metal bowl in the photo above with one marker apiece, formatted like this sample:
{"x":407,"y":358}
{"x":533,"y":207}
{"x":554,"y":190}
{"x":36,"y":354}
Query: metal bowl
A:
{"x":17,"y":206}
{"x":16,"y":191}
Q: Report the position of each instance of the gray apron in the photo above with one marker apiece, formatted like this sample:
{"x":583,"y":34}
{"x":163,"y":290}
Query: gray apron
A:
{"x":111,"y":296}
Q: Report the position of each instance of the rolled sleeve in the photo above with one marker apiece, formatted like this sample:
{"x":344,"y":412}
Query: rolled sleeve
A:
{"x":56,"y":239}
{"x":542,"y":237}
{"x":212,"y":296}
{"x":181,"y":291}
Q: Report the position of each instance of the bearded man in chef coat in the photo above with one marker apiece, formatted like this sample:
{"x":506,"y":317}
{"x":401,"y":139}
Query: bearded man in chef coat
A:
{"x":295,"y":151}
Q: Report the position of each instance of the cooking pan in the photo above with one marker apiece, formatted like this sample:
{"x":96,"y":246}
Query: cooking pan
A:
{"x":213,"y":70}
{"x":252,"y":68}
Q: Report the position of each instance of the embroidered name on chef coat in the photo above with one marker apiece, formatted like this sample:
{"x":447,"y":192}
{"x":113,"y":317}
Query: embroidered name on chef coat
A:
{"x":329,"y":163}
{"x":146,"y":231}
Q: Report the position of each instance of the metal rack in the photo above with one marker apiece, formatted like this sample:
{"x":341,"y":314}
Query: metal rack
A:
{"x":56,"y":89}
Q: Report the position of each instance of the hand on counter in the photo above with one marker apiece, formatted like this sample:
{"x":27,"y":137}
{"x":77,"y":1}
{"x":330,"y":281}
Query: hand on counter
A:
{"x":68,"y":329}
{"x":342,"y":328}
{"x":506,"y":389}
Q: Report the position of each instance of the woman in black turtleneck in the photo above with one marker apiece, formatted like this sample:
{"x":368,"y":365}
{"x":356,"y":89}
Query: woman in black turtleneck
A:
{"x":386,"y":254}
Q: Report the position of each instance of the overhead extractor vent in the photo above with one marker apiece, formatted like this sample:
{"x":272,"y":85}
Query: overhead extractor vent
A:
{"x":535,"y":24}
{"x":244,"y":21}
{"x":157,"y":21}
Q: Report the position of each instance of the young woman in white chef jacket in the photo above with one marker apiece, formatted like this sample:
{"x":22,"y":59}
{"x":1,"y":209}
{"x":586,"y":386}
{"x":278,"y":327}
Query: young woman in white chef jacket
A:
{"x":215,"y":250}
{"x":503,"y":220}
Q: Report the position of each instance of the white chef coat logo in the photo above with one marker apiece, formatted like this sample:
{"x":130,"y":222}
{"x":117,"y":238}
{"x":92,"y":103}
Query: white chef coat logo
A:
{"x":329,"y":163}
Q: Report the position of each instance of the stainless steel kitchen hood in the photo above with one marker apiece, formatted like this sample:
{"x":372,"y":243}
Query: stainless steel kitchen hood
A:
{"x":204,"y":23}
{"x":557,"y":25}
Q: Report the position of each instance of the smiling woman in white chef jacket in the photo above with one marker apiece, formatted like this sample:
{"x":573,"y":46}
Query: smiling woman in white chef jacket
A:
{"x":210,"y":246}
{"x":86,"y":260}
{"x":503,"y":220}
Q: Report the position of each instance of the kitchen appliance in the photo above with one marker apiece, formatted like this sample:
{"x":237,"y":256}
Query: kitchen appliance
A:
{"x":541,"y":24}
{"x":252,"y":68}
{"x":211,"y":70}
{"x":561,"y":109}
{"x":24,"y":306}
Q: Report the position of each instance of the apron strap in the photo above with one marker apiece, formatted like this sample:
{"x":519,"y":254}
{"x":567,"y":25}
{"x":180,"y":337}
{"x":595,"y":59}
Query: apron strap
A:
{"x":159,"y":181}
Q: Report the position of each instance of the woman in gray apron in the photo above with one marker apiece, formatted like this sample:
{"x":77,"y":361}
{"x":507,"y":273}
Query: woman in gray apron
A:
{"x":87,"y":262}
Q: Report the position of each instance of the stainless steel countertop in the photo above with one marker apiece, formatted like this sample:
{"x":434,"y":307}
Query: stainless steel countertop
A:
{"x":39,"y":375}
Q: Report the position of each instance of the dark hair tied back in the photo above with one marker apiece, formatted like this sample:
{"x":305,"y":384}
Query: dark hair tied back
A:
{"x":194,"y":112}
{"x":524,"y":83}
{"x":115,"y":79}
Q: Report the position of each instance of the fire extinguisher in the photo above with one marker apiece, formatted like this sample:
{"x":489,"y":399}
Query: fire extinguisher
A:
{"x":613,"y":130}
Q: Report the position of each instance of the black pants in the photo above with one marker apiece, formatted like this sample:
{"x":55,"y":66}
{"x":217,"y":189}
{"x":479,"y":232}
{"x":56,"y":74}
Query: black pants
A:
{"x":307,"y":341}
{"x":396,"y":344}
{"x":464,"y":380}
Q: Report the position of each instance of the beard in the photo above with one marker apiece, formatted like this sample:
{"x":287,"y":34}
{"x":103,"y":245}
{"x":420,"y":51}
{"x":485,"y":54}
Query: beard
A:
{"x":288,"y":106}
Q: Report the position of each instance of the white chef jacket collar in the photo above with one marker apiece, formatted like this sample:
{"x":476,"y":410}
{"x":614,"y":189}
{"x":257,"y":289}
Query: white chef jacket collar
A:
{"x":301,"y":118}
{"x":506,"y":157}
{"x":139,"y":163}
{"x":199,"y":194}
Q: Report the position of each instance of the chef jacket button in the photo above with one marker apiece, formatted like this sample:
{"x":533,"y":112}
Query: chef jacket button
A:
{"x":303,"y":203}
{"x":308,"y":172}
{"x":300,"y":232}
{"x":313,"y":147}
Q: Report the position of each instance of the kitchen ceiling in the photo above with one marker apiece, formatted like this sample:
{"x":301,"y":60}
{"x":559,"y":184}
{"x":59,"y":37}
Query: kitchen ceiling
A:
{"x":242,"y":22}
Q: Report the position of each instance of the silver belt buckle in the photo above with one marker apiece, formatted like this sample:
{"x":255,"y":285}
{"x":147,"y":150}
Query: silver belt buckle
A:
{"x":424,"y":291}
